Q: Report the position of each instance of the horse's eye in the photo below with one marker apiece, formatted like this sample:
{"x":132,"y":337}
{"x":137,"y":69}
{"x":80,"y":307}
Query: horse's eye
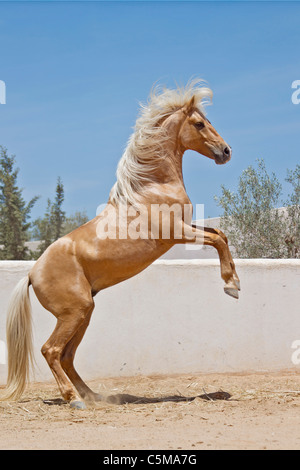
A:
{"x":199,"y":125}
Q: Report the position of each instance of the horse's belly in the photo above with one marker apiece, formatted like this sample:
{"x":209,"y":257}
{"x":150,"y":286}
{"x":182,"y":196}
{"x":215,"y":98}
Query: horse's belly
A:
{"x":116,"y":260}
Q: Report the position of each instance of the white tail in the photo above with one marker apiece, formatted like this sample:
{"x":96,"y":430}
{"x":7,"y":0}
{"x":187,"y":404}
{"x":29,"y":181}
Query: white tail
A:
{"x":19,"y":341}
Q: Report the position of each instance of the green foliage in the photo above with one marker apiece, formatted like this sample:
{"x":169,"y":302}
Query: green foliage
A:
{"x":55,"y":224}
{"x":14,"y":212}
{"x":292,"y":229}
{"x":43,"y":230}
{"x":58,"y":215}
{"x":254,"y":225}
{"x":50,"y":227}
{"x":74,"y":221}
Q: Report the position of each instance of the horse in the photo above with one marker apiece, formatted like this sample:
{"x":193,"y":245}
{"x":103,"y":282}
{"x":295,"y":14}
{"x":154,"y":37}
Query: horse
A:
{"x":68,"y":275}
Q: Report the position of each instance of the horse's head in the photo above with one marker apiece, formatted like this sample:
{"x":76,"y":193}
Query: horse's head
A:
{"x":198,"y":134}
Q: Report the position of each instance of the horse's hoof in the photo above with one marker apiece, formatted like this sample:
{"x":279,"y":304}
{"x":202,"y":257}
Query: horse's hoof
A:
{"x":78,"y":405}
{"x":232,"y":292}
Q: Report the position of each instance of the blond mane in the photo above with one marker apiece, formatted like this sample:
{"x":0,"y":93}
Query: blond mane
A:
{"x":144,"y":149}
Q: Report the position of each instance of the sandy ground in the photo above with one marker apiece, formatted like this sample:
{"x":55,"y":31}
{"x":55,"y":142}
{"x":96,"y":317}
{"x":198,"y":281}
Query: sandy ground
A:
{"x":255,"y":411}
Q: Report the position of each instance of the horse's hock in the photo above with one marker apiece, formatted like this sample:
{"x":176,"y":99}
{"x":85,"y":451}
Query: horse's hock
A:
{"x":174,"y":318}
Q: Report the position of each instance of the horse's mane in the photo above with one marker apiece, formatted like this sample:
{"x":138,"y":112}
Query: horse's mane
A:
{"x":144,"y":149}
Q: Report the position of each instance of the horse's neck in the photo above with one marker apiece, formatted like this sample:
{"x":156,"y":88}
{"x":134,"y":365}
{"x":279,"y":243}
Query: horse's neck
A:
{"x":170,"y":169}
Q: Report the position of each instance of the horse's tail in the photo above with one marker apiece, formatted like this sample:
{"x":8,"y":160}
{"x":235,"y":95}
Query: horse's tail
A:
{"x":19,"y":341}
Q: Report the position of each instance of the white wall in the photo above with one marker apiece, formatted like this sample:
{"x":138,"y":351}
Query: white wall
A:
{"x":175,"y":318}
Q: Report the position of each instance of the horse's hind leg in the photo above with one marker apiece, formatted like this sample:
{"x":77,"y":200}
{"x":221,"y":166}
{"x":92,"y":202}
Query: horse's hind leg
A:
{"x":66,"y":327}
{"x":67,"y":362}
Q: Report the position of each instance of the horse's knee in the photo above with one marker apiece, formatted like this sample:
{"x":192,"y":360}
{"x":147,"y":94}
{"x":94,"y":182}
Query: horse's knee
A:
{"x":222,"y":235}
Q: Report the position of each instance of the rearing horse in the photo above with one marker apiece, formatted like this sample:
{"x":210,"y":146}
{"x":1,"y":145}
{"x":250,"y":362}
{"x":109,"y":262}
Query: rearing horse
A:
{"x":79,"y":265}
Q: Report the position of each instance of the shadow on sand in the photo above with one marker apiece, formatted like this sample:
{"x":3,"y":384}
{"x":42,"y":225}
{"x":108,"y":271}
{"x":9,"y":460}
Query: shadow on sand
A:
{"x":124,"y":398}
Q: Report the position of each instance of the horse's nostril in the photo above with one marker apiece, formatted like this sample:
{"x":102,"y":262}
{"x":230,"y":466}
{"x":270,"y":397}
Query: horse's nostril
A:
{"x":227,"y":151}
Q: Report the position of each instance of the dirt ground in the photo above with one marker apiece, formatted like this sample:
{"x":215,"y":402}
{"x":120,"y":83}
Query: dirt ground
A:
{"x":217,"y":411}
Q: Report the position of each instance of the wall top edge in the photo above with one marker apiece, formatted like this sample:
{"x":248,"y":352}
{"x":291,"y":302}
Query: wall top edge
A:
{"x":238,"y":262}
{"x":5,"y":265}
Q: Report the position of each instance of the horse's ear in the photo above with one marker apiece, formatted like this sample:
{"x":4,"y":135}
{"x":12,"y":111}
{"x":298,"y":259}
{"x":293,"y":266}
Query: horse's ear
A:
{"x":189,"y":105}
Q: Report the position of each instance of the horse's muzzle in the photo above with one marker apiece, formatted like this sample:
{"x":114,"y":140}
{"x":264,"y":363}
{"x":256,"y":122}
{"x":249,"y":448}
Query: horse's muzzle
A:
{"x":223,"y":156}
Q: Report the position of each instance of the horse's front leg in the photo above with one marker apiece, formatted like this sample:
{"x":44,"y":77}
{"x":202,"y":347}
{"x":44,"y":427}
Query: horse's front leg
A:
{"x":222,"y":235}
{"x":215,"y":238}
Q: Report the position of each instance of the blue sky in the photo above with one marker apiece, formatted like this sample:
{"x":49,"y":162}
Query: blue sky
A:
{"x":75,"y":73}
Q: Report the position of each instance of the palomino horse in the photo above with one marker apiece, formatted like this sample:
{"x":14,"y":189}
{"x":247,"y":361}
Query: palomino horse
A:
{"x":79,"y":265}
